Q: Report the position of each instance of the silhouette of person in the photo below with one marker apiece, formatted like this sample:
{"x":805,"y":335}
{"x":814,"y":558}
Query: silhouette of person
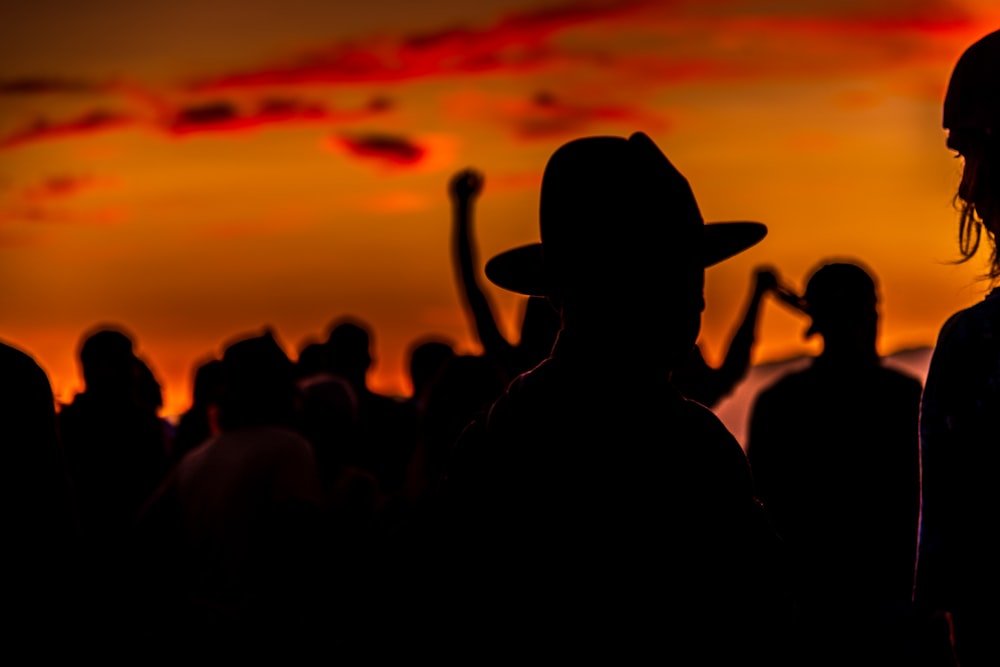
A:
{"x":329,"y":416}
{"x":539,"y":321}
{"x":463,"y":386}
{"x":116,"y":452}
{"x":833,"y":449}
{"x":150,"y":394}
{"x":960,"y":410}
{"x":40,"y":523}
{"x":593,"y":509}
{"x":708,"y":385}
{"x":385,"y":432}
{"x":233,"y":540}
{"x":427,"y":356}
{"x":200,"y":421}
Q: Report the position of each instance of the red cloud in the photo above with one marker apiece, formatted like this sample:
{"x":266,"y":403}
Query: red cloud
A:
{"x":388,"y":148}
{"x":224,"y":116}
{"x":526,"y":41}
{"x":516,"y":43}
{"x":219,"y":116}
{"x":95,"y":121}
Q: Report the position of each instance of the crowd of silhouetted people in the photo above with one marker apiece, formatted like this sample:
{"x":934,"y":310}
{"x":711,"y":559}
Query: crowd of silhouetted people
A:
{"x":569,"y":495}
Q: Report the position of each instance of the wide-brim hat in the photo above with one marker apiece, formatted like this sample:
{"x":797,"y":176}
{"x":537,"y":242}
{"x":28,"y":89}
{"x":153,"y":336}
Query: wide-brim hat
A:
{"x":612,"y":207}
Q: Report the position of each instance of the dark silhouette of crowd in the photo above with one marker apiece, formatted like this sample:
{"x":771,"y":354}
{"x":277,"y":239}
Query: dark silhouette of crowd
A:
{"x":567,"y":495}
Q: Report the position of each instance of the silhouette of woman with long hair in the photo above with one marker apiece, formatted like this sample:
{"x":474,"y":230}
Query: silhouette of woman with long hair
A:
{"x":957,"y":572}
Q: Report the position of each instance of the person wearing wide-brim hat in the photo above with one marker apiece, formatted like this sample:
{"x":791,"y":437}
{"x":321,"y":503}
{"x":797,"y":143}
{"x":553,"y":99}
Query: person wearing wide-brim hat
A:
{"x":956,"y":571}
{"x":594,"y":507}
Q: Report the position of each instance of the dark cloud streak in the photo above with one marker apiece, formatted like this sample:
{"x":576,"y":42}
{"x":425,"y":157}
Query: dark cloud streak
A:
{"x":46,"y":85}
{"x":220,"y":116}
{"x":387,"y":148}
{"x":41,"y":129}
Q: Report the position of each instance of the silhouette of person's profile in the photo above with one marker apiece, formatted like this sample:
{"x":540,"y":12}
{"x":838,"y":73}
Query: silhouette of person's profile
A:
{"x":833,"y":449}
{"x":957,"y":576}
{"x":592,"y":491}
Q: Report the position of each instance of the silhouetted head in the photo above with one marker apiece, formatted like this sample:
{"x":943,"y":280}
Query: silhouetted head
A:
{"x":427,"y":357}
{"x":108,"y":362}
{"x":148,"y":388}
{"x":622,"y":235}
{"x":971,"y":116}
{"x":348,"y":350}
{"x":208,"y":382}
{"x":312,"y":360}
{"x":259,"y":383}
{"x":841,"y":298}
{"x":328,"y":416}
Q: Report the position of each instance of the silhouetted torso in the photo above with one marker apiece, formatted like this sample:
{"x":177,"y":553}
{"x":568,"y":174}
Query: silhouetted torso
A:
{"x":596,"y":491}
{"x":40,"y":530}
{"x":834,"y":452}
{"x":960,"y":423}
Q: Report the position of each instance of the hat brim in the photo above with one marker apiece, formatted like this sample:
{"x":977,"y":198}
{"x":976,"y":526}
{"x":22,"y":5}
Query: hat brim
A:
{"x":522,"y":269}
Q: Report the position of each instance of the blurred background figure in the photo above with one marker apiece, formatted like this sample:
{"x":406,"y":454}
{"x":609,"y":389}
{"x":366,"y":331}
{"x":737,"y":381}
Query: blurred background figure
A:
{"x":42,"y":572}
{"x":540,"y":318}
{"x":116,"y":450}
{"x":708,"y":385}
{"x":200,"y":421}
{"x":427,"y":356}
{"x":957,"y":575}
{"x":385,"y":431}
{"x":833,"y":449}
{"x":235,"y":541}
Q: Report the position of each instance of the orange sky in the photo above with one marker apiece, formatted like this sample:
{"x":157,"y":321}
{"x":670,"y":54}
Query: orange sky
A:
{"x":195,"y":173}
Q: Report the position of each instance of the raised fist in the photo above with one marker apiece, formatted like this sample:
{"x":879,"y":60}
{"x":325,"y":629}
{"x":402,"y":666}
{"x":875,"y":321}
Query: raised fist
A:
{"x":465,"y":184}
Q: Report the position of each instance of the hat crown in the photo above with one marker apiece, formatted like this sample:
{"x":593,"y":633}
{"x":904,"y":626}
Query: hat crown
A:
{"x":615,"y":203}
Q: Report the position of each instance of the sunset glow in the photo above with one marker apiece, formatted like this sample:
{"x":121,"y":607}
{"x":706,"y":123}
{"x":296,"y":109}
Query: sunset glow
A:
{"x":195,"y":173}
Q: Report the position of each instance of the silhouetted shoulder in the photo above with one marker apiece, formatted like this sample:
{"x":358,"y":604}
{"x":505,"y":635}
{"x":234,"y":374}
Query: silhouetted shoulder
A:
{"x":15,"y":359}
{"x":972,"y":323}
{"x":961,"y":392}
{"x":21,"y":380}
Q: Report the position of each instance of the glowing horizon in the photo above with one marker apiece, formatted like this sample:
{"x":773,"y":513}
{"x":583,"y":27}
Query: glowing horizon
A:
{"x":280,"y":165}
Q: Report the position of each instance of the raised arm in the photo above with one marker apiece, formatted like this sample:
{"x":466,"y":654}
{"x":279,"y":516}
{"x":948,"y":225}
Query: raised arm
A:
{"x":464,"y":187}
{"x":710,"y":385}
{"x":737,"y":360}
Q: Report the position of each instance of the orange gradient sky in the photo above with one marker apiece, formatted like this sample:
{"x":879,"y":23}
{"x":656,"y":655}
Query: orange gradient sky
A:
{"x":197,"y":171}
